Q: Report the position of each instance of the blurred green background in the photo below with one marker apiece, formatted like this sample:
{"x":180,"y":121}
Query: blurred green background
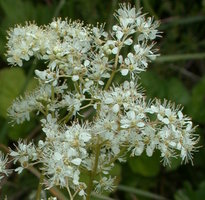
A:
{"x":178,"y":75}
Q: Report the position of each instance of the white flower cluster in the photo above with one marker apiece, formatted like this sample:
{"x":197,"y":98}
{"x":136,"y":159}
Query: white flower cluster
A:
{"x":21,"y":108}
{"x":78,"y":85}
{"x":3,"y":167}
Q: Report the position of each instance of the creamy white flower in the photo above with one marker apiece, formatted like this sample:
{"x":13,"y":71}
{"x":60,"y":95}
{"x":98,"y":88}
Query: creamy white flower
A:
{"x":3,"y":166}
{"x":25,"y":154}
{"x":104,"y":183}
{"x":77,"y":85}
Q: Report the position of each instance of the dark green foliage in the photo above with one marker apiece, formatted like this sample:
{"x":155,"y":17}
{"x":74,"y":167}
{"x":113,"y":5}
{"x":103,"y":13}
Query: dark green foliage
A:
{"x":144,"y":165}
{"x":197,"y":108}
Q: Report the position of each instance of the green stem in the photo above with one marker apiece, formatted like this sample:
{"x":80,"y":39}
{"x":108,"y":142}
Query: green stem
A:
{"x":114,"y":69}
{"x":137,"y":4}
{"x":69,"y":192}
{"x":94,"y":171}
{"x":4,"y":148}
{"x":110,"y":80}
{"x":67,"y":117}
{"x":149,"y":8}
{"x":115,"y":64}
{"x":52,"y":98}
{"x":38,"y":194}
{"x":174,"y":21}
{"x":54,"y":191}
{"x":77,"y":87}
{"x":43,"y":112}
{"x":29,"y":76}
{"x":59,"y":7}
{"x":98,"y":196}
{"x":113,"y":7}
{"x":70,"y":114}
{"x":140,"y":192}
{"x":123,"y":150}
{"x":52,"y":93}
{"x":173,"y":58}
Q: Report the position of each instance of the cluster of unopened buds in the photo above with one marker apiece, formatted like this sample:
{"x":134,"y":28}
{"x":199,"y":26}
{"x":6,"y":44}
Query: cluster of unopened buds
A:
{"x":89,"y":120}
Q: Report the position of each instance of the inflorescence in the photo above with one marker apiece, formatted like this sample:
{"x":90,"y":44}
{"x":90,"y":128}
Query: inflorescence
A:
{"x":90,"y":122}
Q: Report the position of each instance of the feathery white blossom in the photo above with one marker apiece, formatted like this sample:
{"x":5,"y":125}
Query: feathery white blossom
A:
{"x":3,"y":167}
{"x":76,"y":85}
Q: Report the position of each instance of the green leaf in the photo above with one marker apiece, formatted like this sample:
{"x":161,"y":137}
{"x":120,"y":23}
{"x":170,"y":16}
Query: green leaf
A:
{"x":20,"y":130}
{"x":180,"y":195}
{"x":175,"y":163}
{"x":171,"y":89}
{"x":12,"y":81}
{"x":196,"y":107}
{"x":200,"y":193}
{"x":116,"y":172}
{"x":154,"y":85}
{"x":25,"y":10}
{"x":188,"y":193}
{"x":144,"y":165}
{"x":177,"y":92}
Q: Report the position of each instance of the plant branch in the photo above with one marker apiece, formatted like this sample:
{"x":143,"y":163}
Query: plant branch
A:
{"x":179,"y":57}
{"x":94,"y":171}
{"x":59,"y":7}
{"x":140,"y":192}
{"x":38,"y":194}
{"x":54,"y":191}
{"x":115,"y":64}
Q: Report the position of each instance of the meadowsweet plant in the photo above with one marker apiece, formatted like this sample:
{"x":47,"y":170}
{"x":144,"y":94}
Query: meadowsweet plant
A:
{"x":89,"y":120}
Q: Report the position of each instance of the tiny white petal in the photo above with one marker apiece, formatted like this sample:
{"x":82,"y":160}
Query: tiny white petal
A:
{"x":19,"y":170}
{"x":189,"y":126}
{"x":179,"y":146}
{"x":57,"y":156}
{"x":116,"y":108}
{"x":76,"y":161}
{"x":160,"y":117}
{"x":149,"y":151}
{"x":115,"y":28}
{"x":127,"y":61}
{"x":119,"y":35}
{"x":140,"y":124}
{"x":172,"y":144}
{"x":95,"y":106}
{"x":131,"y":114}
{"x":124,"y":72}
{"x":165,"y":120}
{"x":168,"y":112}
{"x":154,"y":109}
{"x":180,"y":115}
{"x":109,"y":100}
{"x":81,"y":193}
{"x":115,"y":50}
{"x":41,"y":74}
{"x":137,"y":48}
{"x":124,"y":126}
{"x":75,"y":77}
{"x":101,"y":82}
{"x":128,"y":41}
{"x":86,"y":63}
{"x":120,"y":59}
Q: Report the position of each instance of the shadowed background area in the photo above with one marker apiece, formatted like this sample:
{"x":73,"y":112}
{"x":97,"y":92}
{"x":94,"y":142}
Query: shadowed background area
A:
{"x":178,"y":75}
